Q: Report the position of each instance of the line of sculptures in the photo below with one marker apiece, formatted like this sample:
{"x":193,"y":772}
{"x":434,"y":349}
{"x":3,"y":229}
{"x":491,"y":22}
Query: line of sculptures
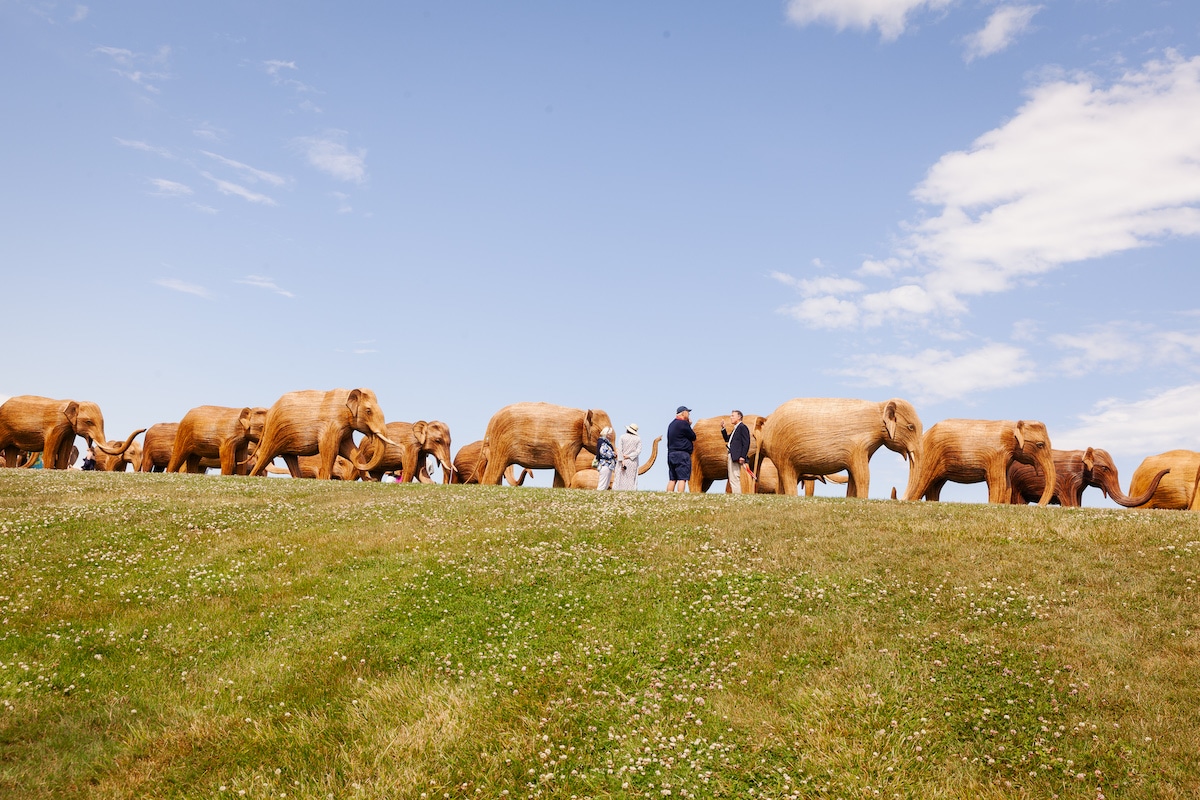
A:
{"x":802,"y":441}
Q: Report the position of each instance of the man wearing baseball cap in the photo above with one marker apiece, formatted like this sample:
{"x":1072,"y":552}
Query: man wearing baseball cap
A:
{"x":680,"y":437}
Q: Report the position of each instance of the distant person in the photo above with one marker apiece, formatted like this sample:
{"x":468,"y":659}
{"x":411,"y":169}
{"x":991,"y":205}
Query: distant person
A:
{"x":606,"y":458}
{"x":737,"y":442}
{"x":629,"y":456}
{"x":89,"y":459}
{"x":680,"y":439}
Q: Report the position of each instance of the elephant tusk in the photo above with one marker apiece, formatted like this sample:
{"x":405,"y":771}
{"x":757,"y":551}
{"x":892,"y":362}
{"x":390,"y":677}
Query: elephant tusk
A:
{"x":383,"y":438}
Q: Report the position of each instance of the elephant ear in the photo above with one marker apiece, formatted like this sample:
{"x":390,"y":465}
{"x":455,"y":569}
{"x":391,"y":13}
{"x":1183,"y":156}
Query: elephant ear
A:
{"x":244,"y":418}
{"x":587,"y":420}
{"x":352,"y":401}
{"x":889,"y":419}
{"x":419,"y":431}
{"x":1089,"y":459}
{"x":71,"y":412}
{"x":1019,"y":433}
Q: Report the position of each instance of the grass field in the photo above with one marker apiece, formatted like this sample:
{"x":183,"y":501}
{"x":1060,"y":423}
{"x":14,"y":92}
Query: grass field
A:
{"x":187,"y":636}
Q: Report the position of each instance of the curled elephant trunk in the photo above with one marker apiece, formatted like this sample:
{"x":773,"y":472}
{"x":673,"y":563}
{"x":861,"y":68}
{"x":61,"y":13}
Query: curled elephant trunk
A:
{"x":120,"y":451}
{"x":1122,"y":499}
{"x":378,"y":448}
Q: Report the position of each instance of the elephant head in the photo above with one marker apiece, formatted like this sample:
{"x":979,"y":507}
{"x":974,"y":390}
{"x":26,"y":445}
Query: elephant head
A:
{"x":252,"y":421}
{"x":903,"y":430}
{"x":434,"y":438}
{"x":1032,"y":446}
{"x":1100,"y":471}
{"x":87,"y":421}
{"x":367,"y":418}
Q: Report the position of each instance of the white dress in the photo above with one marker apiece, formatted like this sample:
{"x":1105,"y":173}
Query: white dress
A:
{"x":629,"y":454}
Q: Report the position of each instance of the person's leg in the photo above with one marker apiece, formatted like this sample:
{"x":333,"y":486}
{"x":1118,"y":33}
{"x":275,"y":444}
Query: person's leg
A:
{"x":734,"y":471}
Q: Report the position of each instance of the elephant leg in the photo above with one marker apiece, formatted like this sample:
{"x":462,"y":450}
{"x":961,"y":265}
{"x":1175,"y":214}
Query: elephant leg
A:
{"x":933,"y":493}
{"x":999,"y":489}
{"x":789,"y":479}
{"x":810,"y":488}
{"x":228,"y":453}
{"x":62,"y":453}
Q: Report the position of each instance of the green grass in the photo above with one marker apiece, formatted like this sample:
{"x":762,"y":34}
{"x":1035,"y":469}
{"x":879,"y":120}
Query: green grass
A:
{"x":176,"y":636}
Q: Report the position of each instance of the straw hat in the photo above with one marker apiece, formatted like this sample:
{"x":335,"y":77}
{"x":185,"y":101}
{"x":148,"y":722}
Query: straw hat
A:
{"x":631,"y":428}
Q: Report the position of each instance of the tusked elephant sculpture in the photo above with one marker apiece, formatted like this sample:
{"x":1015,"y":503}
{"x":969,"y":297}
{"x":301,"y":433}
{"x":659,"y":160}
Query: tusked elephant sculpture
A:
{"x":415,"y":442}
{"x":310,"y":467}
{"x":132,"y":457}
{"x":40,"y":424}
{"x":1178,"y":489}
{"x":588,"y":478}
{"x":223,"y":433}
{"x":313,"y":422}
{"x":540,"y":436}
{"x":1074,"y":471}
{"x":820,"y":436}
{"x":975,"y":450}
{"x":467,"y":466}
{"x":709,"y":451}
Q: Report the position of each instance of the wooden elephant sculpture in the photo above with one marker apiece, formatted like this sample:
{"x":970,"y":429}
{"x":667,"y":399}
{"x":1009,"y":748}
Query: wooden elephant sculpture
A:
{"x":1074,"y":471}
{"x":157,"y":445}
{"x":767,"y":480}
{"x":313,"y":422}
{"x":587,"y":477}
{"x":822,"y":435}
{"x":310,"y":467}
{"x":415,"y":441}
{"x":223,"y":433}
{"x":467,"y":466}
{"x":40,"y":424}
{"x":709,"y":451}
{"x":540,"y":436}
{"x":976,"y":450}
{"x":1178,"y":489}
{"x":132,"y":457}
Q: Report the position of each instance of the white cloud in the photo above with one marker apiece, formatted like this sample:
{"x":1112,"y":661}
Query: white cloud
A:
{"x":251,"y":173}
{"x":80,"y":14}
{"x":176,"y":285}
{"x":1001,"y":30}
{"x":328,"y":154}
{"x":1124,"y":347}
{"x":166,"y":188}
{"x":274,"y":66}
{"x":1081,"y":171}
{"x":146,"y":148}
{"x":824,"y":312}
{"x":132,"y":66}
{"x":210,"y":132}
{"x":889,"y":16}
{"x":1169,"y":420}
{"x":264,"y":283}
{"x":226,"y":187}
{"x":936,"y":375}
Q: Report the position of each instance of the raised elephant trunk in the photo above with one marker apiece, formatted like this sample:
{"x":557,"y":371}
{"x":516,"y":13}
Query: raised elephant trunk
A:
{"x":120,"y":451}
{"x":1122,"y":499}
{"x":644,"y":468}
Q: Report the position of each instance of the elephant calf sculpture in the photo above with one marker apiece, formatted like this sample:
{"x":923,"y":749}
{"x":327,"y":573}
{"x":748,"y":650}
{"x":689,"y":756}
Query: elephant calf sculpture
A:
{"x":975,"y":450}
{"x":320,"y":423}
{"x":1176,"y":490}
{"x":468,"y":466}
{"x":224,"y":433}
{"x":131,"y":457}
{"x":820,"y":436}
{"x":540,"y":436}
{"x":1074,"y":471}
{"x":40,"y":424}
{"x":415,"y":442}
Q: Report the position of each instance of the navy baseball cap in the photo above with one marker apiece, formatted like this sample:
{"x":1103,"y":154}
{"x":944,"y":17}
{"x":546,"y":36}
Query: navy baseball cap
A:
{"x":682,"y":409}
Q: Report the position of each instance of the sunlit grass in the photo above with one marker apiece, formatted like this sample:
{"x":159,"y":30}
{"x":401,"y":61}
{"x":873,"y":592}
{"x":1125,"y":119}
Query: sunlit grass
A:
{"x":191,"y":636}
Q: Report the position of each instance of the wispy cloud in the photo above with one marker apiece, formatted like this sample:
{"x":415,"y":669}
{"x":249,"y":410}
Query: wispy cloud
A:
{"x":890,"y":17}
{"x":176,"y":285}
{"x":935,"y":375}
{"x":343,"y":200}
{"x":145,"y":70}
{"x":279,"y":71}
{"x":264,"y":283}
{"x":328,"y":154}
{"x":1003,"y":28}
{"x":1138,"y":428}
{"x":1080,"y":172}
{"x":161,"y":152}
{"x":166,"y":188}
{"x":1124,"y":347}
{"x":236,"y":190}
{"x":250,"y":173}
{"x":80,"y":14}
{"x":210,"y":133}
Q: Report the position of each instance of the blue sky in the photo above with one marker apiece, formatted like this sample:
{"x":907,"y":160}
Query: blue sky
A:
{"x":988,"y":208}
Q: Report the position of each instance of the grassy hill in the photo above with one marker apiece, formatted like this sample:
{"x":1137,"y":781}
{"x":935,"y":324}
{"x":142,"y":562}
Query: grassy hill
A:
{"x":188,"y":636}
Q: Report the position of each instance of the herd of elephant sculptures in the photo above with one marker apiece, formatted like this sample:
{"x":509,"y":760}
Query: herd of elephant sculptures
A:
{"x":802,"y":441}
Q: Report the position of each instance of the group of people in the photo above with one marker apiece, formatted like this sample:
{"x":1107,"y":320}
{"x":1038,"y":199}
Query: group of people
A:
{"x":681,"y":441}
{"x":627,"y":453}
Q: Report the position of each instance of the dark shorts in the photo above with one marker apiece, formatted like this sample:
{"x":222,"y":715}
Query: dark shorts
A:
{"x":679,"y":465}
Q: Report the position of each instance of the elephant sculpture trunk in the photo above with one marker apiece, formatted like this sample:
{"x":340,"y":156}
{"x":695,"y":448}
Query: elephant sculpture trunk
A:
{"x":119,"y":451}
{"x":1122,"y":499}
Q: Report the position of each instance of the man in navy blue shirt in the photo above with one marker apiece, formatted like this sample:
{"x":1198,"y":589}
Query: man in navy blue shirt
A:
{"x":680,"y":437}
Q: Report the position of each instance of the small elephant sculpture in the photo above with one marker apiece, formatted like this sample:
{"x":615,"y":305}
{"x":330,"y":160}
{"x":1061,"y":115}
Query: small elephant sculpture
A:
{"x":416,"y":441}
{"x":310,"y":468}
{"x":467,"y":466}
{"x":41,"y":424}
{"x":132,"y":457}
{"x":224,"y":433}
{"x":540,"y":436}
{"x":1074,"y":471}
{"x":974,"y":451}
